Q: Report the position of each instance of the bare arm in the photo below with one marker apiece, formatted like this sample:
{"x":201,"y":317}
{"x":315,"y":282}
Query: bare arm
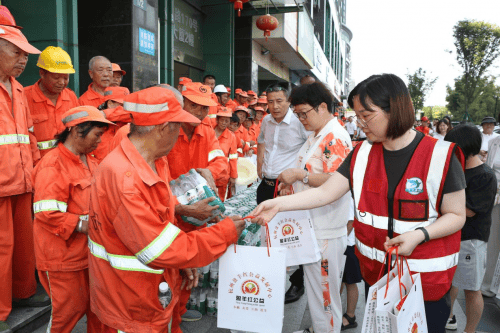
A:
{"x":260,"y":158}
{"x":290,"y":176}
{"x":333,"y":189}
{"x":452,"y":220}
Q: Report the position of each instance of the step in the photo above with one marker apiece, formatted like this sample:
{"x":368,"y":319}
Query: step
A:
{"x":27,"y":320}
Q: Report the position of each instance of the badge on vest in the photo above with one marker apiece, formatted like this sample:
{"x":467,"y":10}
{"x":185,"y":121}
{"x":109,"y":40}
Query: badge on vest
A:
{"x":414,"y":186}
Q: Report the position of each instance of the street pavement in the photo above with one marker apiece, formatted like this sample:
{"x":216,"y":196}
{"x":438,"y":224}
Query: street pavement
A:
{"x":297,"y":317}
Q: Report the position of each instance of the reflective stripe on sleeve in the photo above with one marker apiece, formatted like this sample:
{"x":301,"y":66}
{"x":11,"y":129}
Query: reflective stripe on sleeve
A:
{"x":14,"y":138}
{"x":122,"y":263}
{"x":49,"y":205}
{"x":416,"y":265}
{"x":215,"y":153}
{"x":42,"y":145}
{"x":159,"y":245}
{"x":212,"y":115}
{"x":233,"y":156}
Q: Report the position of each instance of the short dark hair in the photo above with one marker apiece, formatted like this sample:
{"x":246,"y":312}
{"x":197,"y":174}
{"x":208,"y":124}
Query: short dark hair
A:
{"x":208,"y":76}
{"x":444,"y":121}
{"x":388,"y":92}
{"x":276,"y":88}
{"x":83,"y":129}
{"x":467,"y":137}
{"x":313,"y":94}
{"x":234,"y":118}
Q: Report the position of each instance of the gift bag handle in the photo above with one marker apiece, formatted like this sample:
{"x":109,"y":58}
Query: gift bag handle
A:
{"x":268,"y":237}
{"x":387,"y":254}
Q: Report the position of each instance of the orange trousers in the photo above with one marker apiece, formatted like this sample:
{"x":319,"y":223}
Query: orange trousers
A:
{"x":17,"y":254}
{"x":70,"y":295}
{"x":102,"y":328}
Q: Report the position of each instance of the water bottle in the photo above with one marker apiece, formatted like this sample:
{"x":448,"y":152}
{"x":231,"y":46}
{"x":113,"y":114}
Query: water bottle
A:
{"x":174,"y":188}
{"x":193,"y":299}
{"x":202,"y":305}
{"x":165,"y":294}
{"x":206,"y":276}
{"x":214,"y":274}
{"x":216,"y":301}
{"x":211,"y":309}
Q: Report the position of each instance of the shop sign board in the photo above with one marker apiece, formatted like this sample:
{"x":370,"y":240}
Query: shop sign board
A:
{"x":187,"y":29}
{"x":147,"y":41}
{"x":323,"y":70}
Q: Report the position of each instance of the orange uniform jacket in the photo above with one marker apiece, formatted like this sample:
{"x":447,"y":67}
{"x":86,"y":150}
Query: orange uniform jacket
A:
{"x":231,"y":105}
{"x":91,"y":97}
{"x":18,"y":149}
{"x":47,"y":117}
{"x":115,"y":115}
{"x":134,"y":245}
{"x":62,"y":195}
{"x":203,"y":151}
{"x":228,"y":143}
{"x":242,"y":134}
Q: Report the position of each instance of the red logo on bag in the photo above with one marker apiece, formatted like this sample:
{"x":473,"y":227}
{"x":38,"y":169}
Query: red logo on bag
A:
{"x":250,"y":287}
{"x":287,"y":230}
{"x":414,"y":329}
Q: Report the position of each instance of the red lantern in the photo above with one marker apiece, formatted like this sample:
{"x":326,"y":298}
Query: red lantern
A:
{"x":238,"y":5}
{"x":267,"y":23}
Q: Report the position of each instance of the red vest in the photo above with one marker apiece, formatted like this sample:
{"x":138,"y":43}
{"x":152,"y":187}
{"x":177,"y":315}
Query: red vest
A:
{"x":416,"y":203}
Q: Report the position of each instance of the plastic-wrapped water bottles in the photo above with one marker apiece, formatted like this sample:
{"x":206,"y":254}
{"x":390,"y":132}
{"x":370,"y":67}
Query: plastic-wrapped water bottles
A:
{"x":214,"y":274}
{"x":164,"y":294}
{"x":202,"y":305}
{"x":193,"y":299}
{"x":211,"y":302}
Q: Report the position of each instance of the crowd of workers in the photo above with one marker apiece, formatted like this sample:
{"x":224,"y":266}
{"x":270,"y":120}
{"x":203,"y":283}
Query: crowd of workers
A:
{"x":106,"y":230}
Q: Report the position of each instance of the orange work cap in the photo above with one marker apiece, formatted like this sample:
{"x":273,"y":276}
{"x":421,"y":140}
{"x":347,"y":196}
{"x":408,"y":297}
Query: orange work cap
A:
{"x":262,"y":100}
{"x":116,"y":94}
{"x":222,"y":111}
{"x":228,"y":89}
{"x":242,"y":108}
{"x":251,"y":93}
{"x":6,"y":18}
{"x":81,"y":114}
{"x":259,"y":108}
{"x":241,"y":92}
{"x":154,"y":106}
{"x":184,"y":80}
{"x":264,"y":93}
{"x":253,"y":101}
{"x":198,"y":93}
{"x":16,"y":37}
{"x":117,"y":68}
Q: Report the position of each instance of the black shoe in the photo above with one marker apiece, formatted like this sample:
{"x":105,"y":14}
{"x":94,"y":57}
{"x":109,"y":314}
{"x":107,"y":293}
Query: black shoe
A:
{"x":352,"y":322}
{"x":38,"y":300}
{"x":293,"y":294}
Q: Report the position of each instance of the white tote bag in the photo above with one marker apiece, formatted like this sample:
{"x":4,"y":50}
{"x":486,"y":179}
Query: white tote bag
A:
{"x":495,"y":282}
{"x":252,"y":289}
{"x":294,"y":232}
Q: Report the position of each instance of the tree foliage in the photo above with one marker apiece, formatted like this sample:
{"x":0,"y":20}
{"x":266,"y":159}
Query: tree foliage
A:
{"x":485,"y":104}
{"x":435,"y":112}
{"x":478,"y":45}
{"x":419,"y":86}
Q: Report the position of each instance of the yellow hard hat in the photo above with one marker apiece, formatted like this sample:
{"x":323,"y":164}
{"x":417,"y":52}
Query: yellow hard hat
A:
{"x":55,"y":60}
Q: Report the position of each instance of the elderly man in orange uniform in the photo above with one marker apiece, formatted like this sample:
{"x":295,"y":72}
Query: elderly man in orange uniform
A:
{"x":49,"y":98}
{"x":18,"y":153}
{"x":101,"y":73}
{"x":133,"y":241}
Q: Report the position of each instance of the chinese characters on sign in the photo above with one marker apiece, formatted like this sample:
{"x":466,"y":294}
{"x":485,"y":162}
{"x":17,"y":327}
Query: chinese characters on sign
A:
{"x":147,"y":41}
{"x":185,"y":27}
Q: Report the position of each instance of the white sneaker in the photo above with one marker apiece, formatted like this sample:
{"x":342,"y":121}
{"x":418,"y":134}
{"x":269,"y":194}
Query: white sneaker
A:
{"x":451,"y":324}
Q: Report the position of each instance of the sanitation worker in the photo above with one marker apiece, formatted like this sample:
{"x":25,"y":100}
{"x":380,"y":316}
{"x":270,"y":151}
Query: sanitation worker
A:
{"x":228,"y":143}
{"x":197,"y":148}
{"x":133,"y":241}
{"x":101,"y":73}
{"x":61,"y":205}
{"x":18,"y":153}
{"x":49,"y":98}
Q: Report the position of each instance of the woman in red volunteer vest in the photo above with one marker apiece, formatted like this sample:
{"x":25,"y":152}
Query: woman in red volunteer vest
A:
{"x":408,"y":191}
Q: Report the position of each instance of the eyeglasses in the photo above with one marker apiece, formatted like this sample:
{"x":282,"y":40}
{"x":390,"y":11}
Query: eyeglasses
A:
{"x":364,"y":124}
{"x":302,"y":115}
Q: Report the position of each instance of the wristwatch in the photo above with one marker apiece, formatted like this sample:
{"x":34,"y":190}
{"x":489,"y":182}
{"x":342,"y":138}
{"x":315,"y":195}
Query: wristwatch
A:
{"x":306,"y":178}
